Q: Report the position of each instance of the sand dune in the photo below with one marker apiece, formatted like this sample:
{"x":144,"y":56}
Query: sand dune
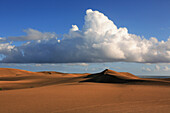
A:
{"x":4,"y":72}
{"x":19,"y":79}
{"x":110,"y":76}
{"x":105,"y":92}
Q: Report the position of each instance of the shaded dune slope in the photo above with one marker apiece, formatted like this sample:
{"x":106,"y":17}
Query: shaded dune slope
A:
{"x":110,"y":76}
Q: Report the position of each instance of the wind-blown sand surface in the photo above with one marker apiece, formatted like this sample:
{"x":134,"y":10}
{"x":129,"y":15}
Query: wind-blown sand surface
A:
{"x":105,"y":92}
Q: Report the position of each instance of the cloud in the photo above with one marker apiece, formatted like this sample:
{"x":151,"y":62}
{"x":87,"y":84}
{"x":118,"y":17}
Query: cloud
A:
{"x":146,"y":69}
{"x":2,"y":39}
{"x":37,"y":65}
{"x":166,"y":68}
{"x":33,"y":34}
{"x":100,"y":40}
{"x":77,"y":64}
{"x":6,"y":49}
{"x":157,"y":68}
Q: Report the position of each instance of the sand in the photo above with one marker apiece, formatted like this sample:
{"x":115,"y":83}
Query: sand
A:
{"x":53,"y":92}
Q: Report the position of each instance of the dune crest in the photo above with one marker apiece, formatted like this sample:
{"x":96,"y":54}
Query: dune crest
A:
{"x":110,"y":76}
{"x":123,"y":75}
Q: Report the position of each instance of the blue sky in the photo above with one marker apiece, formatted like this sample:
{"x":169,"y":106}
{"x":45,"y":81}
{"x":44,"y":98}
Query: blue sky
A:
{"x":148,"y":18}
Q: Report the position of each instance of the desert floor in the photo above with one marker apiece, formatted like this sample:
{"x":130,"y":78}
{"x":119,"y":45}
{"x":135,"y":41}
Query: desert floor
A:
{"x":52,"y":92}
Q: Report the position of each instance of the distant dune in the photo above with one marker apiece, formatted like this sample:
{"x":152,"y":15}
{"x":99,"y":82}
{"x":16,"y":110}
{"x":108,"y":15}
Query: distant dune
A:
{"x":104,"y":92}
{"x":19,"y":79}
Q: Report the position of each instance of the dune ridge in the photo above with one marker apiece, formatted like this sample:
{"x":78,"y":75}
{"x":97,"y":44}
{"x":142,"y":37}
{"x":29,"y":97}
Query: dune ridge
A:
{"x":20,"y":79}
{"x":110,"y":76}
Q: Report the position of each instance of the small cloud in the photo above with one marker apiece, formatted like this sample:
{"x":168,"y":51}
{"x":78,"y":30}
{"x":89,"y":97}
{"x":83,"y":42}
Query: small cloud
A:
{"x":78,"y":64}
{"x":33,"y":34}
{"x":166,"y":68}
{"x":146,"y":69}
{"x":38,"y":65}
{"x":148,"y":63}
{"x":157,"y":68}
{"x":116,"y":67}
{"x":2,"y":39}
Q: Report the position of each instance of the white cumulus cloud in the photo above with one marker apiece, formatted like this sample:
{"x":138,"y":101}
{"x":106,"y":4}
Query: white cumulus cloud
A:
{"x":100,"y":40}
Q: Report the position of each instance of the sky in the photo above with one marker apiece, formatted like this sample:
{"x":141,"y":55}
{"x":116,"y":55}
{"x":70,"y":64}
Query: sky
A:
{"x":149,"y":18}
{"x":131,"y":35}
